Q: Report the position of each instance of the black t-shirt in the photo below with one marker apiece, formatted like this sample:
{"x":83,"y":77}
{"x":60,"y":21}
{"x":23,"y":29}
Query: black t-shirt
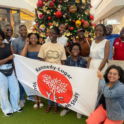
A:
{"x":102,"y":101}
{"x":5,"y":52}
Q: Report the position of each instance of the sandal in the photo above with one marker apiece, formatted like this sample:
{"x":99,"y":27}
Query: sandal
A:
{"x":48,"y":109}
{"x":41,"y":105}
{"x":56,"y":109}
{"x":35,"y":106}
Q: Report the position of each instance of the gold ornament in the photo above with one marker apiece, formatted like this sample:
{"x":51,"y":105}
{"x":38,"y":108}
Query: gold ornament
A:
{"x":48,"y":12}
{"x":92,"y":39}
{"x":77,"y":1}
{"x":44,"y":9}
{"x":69,"y":19}
{"x":54,"y":13}
{"x":83,"y":1}
{"x":42,"y":34}
{"x":64,"y":16}
{"x":68,"y":33}
{"x":86,"y":34}
{"x":72,"y":9}
{"x":55,"y":23}
{"x":77,"y":37}
{"x":78,"y":23}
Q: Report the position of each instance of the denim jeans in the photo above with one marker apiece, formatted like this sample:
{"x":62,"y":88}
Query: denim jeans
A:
{"x":50,"y":103}
{"x":22,"y":92}
{"x":9,"y":83}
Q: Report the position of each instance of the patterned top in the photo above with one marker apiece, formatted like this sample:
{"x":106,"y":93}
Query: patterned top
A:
{"x":79,"y":63}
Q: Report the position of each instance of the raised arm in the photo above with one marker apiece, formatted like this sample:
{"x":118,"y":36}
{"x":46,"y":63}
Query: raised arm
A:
{"x":25,"y":49}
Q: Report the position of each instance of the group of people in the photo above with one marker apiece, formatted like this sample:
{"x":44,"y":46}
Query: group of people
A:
{"x":110,"y":102}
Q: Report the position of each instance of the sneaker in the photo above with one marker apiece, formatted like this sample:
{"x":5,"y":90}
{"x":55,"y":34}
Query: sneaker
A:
{"x":20,"y":110}
{"x":79,"y":116}
{"x":9,"y":114}
{"x":64,"y":112}
{"x":22,"y":103}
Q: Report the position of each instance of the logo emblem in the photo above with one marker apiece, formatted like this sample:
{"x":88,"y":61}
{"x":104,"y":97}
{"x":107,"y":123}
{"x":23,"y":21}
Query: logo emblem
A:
{"x":55,"y":86}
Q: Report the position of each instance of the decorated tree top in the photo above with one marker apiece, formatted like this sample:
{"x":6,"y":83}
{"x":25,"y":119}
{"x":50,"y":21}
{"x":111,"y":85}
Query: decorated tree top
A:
{"x":74,"y":14}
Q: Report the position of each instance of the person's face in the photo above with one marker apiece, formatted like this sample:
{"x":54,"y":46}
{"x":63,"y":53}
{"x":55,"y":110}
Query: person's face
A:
{"x":80,"y":34}
{"x":40,"y":40}
{"x":99,"y":32}
{"x":75,"y":51}
{"x":113,"y":75}
{"x":62,"y":29}
{"x":109,"y":30}
{"x":16,"y":19}
{"x":122,"y":33}
{"x":23,"y":31}
{"x":52,"y":35}
{"x":3,"y":15}
{"x":8,"y":31}
{"x":1,"y":39}
{"x":33,"y":39}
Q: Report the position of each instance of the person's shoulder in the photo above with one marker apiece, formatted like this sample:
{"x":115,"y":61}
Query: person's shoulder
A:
{"x":64,"y":37}
{"x":60,"y":45}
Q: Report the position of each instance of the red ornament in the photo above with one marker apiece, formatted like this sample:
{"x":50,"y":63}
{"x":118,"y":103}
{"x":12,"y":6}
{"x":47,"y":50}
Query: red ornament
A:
{"x":91,"y":17}
{"x":40,"y":16}
{"x":71,"y":28}
{"x":82,"y":21}
{"x":49,"y":18}
{"x":45,"y":0}
{"x":54,"y":0}
{"x":50,"y":24}
{"x":47,"y":34}
{"x":58,"y":14}
{"x":92,"y":24}
{"x":74,"y":21}
{"x":40,"y":3}
{"x":86,"y":24}
{"x":60,"y":2}
{"x":50,"y":4}
{"x":37,"y":23}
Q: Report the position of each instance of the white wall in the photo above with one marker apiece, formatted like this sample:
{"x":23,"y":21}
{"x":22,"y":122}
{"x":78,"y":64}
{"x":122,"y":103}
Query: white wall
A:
{"x":106,"y":8}
{"x":27,"y":6}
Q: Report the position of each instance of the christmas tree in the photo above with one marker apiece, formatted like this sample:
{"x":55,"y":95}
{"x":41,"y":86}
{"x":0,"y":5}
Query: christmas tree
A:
{"x":74,"y":14}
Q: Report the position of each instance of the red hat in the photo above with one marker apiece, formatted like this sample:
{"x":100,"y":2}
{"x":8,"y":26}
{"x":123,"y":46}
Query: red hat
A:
{"x":79,"y":30}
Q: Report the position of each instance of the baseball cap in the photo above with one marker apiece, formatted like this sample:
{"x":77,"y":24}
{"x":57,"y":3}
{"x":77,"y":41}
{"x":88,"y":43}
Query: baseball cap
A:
{"x":79,"y":30}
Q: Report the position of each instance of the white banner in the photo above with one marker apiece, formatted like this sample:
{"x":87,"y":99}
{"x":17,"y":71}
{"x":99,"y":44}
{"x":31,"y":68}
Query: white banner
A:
{"x":73,"y":87}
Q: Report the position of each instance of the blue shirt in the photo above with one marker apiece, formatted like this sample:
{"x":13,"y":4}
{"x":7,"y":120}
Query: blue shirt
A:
{"x":33,"y":55}
{"x":18,"y":45}
{"x":111,"y":39}
{"x":79,"y":63}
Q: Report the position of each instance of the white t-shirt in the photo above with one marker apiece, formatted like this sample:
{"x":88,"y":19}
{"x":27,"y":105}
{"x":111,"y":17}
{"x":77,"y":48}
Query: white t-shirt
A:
{"x":62,"y":40}
{"x":11,"y":40}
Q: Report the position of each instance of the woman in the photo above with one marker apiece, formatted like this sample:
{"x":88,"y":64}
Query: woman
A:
{"x":8,"y":80}
{"x":84,"y":42}
{"x":110,"y":102}
{"x":53,"y":52}
{"x":32,"y":50}
{"x":99,"y":51}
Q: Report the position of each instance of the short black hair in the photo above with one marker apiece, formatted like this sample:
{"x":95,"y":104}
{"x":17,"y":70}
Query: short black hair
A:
{"x":7,"y":25}
{"x":61,"y":24}
{"x":75,"y":44}
{"x":22,"y":26}
{"x":56,"y":29}
{"x":37,"y":35}
{"x":120,"y":73}
{"x":2,"y":34}
{"x":103,"y":26}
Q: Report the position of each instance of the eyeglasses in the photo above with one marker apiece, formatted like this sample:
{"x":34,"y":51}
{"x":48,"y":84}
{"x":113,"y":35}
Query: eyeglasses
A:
{"x":114,"y":74}
{"x":9,"y":30}
{"x":75,"y":49}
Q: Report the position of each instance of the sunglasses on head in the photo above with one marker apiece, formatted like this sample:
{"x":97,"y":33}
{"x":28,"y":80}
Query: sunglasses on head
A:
{"x":9,"y":30}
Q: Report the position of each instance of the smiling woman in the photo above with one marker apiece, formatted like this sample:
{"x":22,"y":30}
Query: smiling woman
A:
{"x":99,"y":51}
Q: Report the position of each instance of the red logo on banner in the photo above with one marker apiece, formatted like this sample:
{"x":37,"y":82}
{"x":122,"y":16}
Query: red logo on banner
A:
{"x":55,"y":86}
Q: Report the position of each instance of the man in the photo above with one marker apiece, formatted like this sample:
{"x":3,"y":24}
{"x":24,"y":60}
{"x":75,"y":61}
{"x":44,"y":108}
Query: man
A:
{"x":119,"y":47}
{"x":8,"y":31}
{"x":111,"y":37}
{"x":18,"y":45}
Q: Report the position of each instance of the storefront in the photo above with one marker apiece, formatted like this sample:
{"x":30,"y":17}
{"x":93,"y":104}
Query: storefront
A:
{"x":25,"y":18}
